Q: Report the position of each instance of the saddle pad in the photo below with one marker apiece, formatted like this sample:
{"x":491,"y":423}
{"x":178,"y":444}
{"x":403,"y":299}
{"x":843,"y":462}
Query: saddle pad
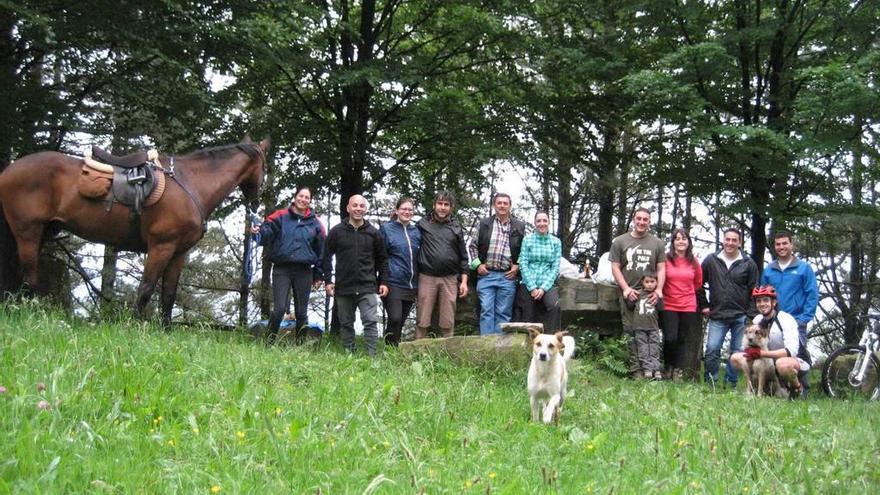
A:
{"x":157,"y":191}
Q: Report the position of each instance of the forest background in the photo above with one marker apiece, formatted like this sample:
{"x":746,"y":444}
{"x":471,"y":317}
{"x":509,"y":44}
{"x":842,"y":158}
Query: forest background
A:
{"x":759,"y":115}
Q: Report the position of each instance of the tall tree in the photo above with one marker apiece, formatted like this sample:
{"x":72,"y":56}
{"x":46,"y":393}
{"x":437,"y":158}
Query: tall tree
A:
{"x":360,"y":93}
{"x":729,"y":86}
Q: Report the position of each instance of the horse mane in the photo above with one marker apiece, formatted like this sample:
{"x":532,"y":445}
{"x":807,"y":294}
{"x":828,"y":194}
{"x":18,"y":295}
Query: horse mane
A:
{"x":225,"y":151}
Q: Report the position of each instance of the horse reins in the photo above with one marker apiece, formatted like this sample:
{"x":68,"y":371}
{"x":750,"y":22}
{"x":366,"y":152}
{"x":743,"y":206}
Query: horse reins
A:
{"x":173,"y":176}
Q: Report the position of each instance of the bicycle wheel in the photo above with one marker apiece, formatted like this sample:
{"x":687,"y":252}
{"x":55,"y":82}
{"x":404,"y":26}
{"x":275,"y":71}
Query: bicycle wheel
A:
{"x":838,"y":374}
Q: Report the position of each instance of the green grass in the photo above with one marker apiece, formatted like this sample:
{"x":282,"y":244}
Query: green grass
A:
{"x":136,"y":410}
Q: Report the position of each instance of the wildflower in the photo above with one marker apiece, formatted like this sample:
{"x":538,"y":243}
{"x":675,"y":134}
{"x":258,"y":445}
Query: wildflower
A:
{"x":171,"y":442}
{"x":468,"y":483}
{"x":277,"y":411}
{"x":41,"y":386}
{"x":43,"y":405}
{"x":216,"y":489}
{"x":386,"y":444}
{"x":589,"y":447}
{"x":240,"y":435}
{"x":196,"y":430}
{"x":2,"y":389}
{"x":492,"y":475}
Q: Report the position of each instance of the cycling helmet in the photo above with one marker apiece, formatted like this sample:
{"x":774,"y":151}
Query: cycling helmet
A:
{"x":764,"y":291}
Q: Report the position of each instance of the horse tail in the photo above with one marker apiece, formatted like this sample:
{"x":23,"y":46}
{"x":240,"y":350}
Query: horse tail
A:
{"x":10,"y":274}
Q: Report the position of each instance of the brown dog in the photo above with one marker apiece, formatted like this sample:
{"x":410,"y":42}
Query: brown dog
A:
{"x":760,"y":373}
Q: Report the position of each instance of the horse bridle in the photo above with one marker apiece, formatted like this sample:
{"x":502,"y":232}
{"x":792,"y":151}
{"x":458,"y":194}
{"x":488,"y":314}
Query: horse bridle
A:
{"x":170,"y":173}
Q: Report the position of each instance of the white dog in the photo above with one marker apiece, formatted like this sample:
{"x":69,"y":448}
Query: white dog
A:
{"x":548,"y":374}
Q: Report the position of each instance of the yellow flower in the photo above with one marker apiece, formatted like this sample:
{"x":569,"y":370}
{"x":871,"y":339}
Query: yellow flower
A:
{"x":277,"y":411}
{"x":216,"y":489}
{"x":171,"y":442}
{"x":492,"y":475}
{"x":468,"y":484}
{"x":386,"y":444}
{"x":240,"y":435}
{"x":195,"y":430}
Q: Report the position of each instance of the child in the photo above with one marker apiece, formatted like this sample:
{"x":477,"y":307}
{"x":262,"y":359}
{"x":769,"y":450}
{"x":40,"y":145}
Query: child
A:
{"x":646,"y":328}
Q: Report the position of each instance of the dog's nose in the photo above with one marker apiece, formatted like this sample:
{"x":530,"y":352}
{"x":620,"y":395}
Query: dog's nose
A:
{"x":542,"y":356}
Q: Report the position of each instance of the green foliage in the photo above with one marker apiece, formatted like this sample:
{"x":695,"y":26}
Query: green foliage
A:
{"x":609,"y":353}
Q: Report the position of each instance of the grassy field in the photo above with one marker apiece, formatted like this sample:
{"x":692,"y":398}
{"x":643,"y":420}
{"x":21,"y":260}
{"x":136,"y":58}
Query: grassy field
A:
{"x":127,"y":408}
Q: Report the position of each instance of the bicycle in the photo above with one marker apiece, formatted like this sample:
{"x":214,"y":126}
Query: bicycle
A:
{"x":853,"y":371}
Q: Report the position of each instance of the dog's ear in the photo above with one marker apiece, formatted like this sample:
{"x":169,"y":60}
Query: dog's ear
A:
{"x":559,"y":335}
{"x":533,"y":334}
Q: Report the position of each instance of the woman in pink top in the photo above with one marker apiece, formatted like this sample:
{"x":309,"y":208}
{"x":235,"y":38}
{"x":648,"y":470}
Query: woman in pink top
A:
{"x":682,"y":329}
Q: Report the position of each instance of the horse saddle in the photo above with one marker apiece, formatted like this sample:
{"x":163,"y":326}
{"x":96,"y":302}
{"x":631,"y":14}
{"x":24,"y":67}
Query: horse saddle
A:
{"x":131,"y":180}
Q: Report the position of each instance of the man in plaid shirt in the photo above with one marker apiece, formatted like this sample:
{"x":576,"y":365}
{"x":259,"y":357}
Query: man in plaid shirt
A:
{"x":498,"y":244}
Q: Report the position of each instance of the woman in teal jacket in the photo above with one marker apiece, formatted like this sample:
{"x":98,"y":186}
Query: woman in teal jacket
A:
{"x":539,"y":268}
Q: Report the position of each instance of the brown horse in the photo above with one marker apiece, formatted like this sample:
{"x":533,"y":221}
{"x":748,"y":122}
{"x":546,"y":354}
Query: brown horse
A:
{"x":40,"y":189}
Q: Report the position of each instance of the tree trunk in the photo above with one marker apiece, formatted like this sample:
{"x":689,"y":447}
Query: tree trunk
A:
{"x":852,"y":330}
{"x":10,"y":272}
{"x":564,"y":207}
{"x":108,"y":277}
{"x":357,"y":50}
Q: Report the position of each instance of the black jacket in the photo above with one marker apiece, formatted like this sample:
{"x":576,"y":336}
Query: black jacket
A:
{"x":443,"y":251}
{"x":730,"y":291}
{"x":517,"y":232}
{"x":361,"y":260}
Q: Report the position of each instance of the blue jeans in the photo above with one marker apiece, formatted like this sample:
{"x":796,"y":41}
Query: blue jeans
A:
{"x":802,"y":340}
{"x":496,"y":294}
{"x":717,"y":330}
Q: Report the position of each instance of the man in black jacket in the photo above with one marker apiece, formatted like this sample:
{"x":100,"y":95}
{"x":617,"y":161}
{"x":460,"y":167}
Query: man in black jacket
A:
{"x":730,"y":277}
{"x":361,"y":269}
{"x":499,"y":240}
{"x":443,"y":267}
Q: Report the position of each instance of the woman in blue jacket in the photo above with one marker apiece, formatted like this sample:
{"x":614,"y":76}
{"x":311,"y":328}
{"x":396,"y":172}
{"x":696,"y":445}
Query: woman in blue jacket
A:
{"x":402,"y":240}
{"x":294,"y":238}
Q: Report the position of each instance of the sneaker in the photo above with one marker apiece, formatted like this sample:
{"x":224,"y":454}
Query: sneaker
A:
{"x":658,"y":376}
{"x":648,"y":375}
{"x":798,"y":393}
{"x":677,"y":375}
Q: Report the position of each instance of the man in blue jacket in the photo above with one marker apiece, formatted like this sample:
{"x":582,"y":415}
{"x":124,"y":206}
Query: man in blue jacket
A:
{"x":795,"y":282}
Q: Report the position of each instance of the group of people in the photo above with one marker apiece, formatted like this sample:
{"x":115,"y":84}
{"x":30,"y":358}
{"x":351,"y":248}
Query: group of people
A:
{"x":426,"y":264}
{"x":406,"y":263}
{"x":666,"y":289}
